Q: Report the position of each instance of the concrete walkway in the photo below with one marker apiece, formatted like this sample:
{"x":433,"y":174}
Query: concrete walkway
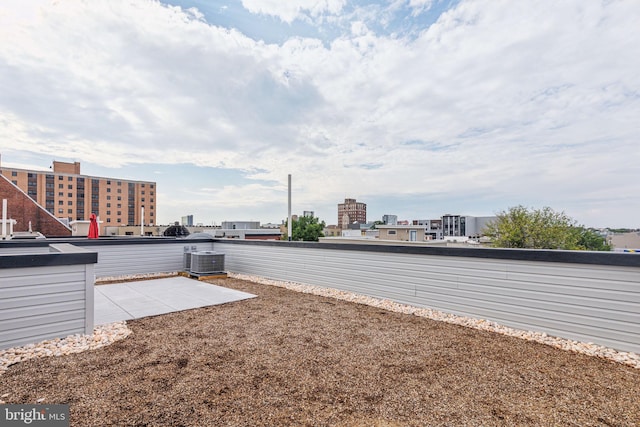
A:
{"x":132,"y":300}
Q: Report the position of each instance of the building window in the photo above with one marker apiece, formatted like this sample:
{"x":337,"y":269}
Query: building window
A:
{"x":60,"y":177}
{"x":119,"y":220}
{"x":142,"y":191}
{"x":152,"y":201}
{"x":108,"y":212}
{"x":119,"y":198}
{"x":119,"y":190}
{"x":70,"y":186}
{"x":60,"y":194}
{"x":14,"y":173}
{"x":70,"y":203}
{"x":108,"y":182}
{"x":108,"y":219}
{"x":151,"y":193}
{"x":108,"y":190}
{"x":108,"y":205}
{"x":70,"y":194}
{"x":152,"y":207}
{"x":108,"y":197}
{"x":119,"y":212}
{"x":392,"y":231}
{"x":60,"y":185}
{"x":60,"y":211}
{"x":151,"y":185}
{"x":143,"y":201}
{"x":70,"y":178}
{"x":70,"y":211}
{"x":119,"y":183}
{"x":151,"y":213}
{"x":60,"y":202}
{"x":14,"y":182}
{"x":119,"y":205}
{"x":142,"y":185}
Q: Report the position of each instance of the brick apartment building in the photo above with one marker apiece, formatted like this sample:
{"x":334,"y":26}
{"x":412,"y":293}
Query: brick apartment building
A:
{"x":69,"y":195}
{"x":351,"y":211}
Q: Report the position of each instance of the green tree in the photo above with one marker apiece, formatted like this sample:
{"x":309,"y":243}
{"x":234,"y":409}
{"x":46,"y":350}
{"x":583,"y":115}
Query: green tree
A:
{"x":306,"y":228}
{"x":543,"y":228}
{"x":589,"y":240}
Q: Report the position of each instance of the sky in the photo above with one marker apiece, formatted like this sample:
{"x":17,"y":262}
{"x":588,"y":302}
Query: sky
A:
{"x":418,"y":108}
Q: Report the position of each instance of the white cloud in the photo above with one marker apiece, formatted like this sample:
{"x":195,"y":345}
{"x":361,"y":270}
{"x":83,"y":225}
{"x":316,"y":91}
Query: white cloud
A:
{"x":526,"y":101}
{"x":420,"y":6}
{"x":290,"y":10}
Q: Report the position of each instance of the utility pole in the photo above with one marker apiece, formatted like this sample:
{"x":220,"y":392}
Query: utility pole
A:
{"x":289,"y":225}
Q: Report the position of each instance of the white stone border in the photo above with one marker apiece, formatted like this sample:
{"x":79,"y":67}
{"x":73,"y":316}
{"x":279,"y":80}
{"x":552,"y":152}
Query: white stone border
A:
{"x":103,"y":335}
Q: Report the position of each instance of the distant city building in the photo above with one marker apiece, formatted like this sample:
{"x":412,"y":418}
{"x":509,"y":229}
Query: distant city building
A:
{"x":390,"y":219}
{"x":68,"y":195}
{"x":308,"y":214}
{"x":332,"y":231}
{"x":351,"y":211}
{"x":461,"y":226}
{"x":407,"y":233}
{"x":625,"y":242}
{"x":432,"y":228}
{"x":249,"y":230}
{"x":240,"y":225}
{"x":187,"y":220}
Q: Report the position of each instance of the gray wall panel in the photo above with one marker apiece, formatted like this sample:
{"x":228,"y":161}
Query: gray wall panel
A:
{"x":587,"y":302}
{"x":126,"y":259}
{"x":45,"y":302}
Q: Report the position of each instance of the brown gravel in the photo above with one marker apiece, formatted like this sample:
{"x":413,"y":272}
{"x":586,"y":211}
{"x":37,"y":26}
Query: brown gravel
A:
{"x":288,"y":358}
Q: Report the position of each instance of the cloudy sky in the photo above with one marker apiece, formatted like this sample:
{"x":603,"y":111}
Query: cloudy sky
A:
{"x":416,"y":107}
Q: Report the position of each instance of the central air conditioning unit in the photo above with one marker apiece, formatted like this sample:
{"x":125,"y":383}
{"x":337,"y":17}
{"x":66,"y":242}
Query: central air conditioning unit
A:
{"x":206,"y":262}
{"x":186,"y":257}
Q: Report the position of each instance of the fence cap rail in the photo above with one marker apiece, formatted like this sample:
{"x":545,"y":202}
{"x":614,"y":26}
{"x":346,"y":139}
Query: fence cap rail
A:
{"x":540,"y":255}
{"x":59,"y":254}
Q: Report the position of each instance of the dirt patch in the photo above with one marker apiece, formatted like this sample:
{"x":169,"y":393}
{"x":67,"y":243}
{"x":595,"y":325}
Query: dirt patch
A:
{"x":288,"y":358}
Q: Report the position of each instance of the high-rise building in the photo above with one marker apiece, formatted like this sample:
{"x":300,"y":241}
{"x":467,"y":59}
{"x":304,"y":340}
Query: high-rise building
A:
{"x":351,"y":211}
{"x":187,"y":220}
{"x":68,"y":195}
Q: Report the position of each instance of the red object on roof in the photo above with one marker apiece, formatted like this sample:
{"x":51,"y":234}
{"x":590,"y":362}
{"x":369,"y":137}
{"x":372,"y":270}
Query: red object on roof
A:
{"x":93,"y":227}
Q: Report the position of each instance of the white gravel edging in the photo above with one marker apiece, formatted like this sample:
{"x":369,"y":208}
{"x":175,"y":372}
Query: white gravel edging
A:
{"x":590,"y":349}
{"x":103,"y":335}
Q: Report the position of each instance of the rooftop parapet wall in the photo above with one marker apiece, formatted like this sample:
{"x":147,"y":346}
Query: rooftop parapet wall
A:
{"x":46,"y":295}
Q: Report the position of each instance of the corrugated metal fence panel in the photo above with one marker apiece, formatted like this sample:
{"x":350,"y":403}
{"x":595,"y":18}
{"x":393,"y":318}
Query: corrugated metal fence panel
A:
{"x":127,"y":259}
{"x":41,"y":303}
{"x":593,"y":303}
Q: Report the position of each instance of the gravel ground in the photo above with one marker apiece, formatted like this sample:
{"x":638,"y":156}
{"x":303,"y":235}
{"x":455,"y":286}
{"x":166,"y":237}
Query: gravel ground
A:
{"x":291,"y":358}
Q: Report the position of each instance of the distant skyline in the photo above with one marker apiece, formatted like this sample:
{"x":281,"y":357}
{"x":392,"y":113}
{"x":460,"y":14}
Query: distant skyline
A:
{"x":418,"y":108}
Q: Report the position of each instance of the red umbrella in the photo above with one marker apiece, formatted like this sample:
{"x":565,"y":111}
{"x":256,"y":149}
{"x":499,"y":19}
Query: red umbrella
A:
{"x":93,"y":227}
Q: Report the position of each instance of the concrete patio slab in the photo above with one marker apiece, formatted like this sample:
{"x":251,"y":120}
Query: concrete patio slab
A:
{"x":132,"y":300}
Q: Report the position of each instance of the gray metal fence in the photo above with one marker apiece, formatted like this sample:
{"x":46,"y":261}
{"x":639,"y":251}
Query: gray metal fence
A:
{"x":46,"y":295}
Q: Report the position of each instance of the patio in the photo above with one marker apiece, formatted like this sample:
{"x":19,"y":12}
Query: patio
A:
{"x":136,"y":299}
{"x":290,"y":358}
